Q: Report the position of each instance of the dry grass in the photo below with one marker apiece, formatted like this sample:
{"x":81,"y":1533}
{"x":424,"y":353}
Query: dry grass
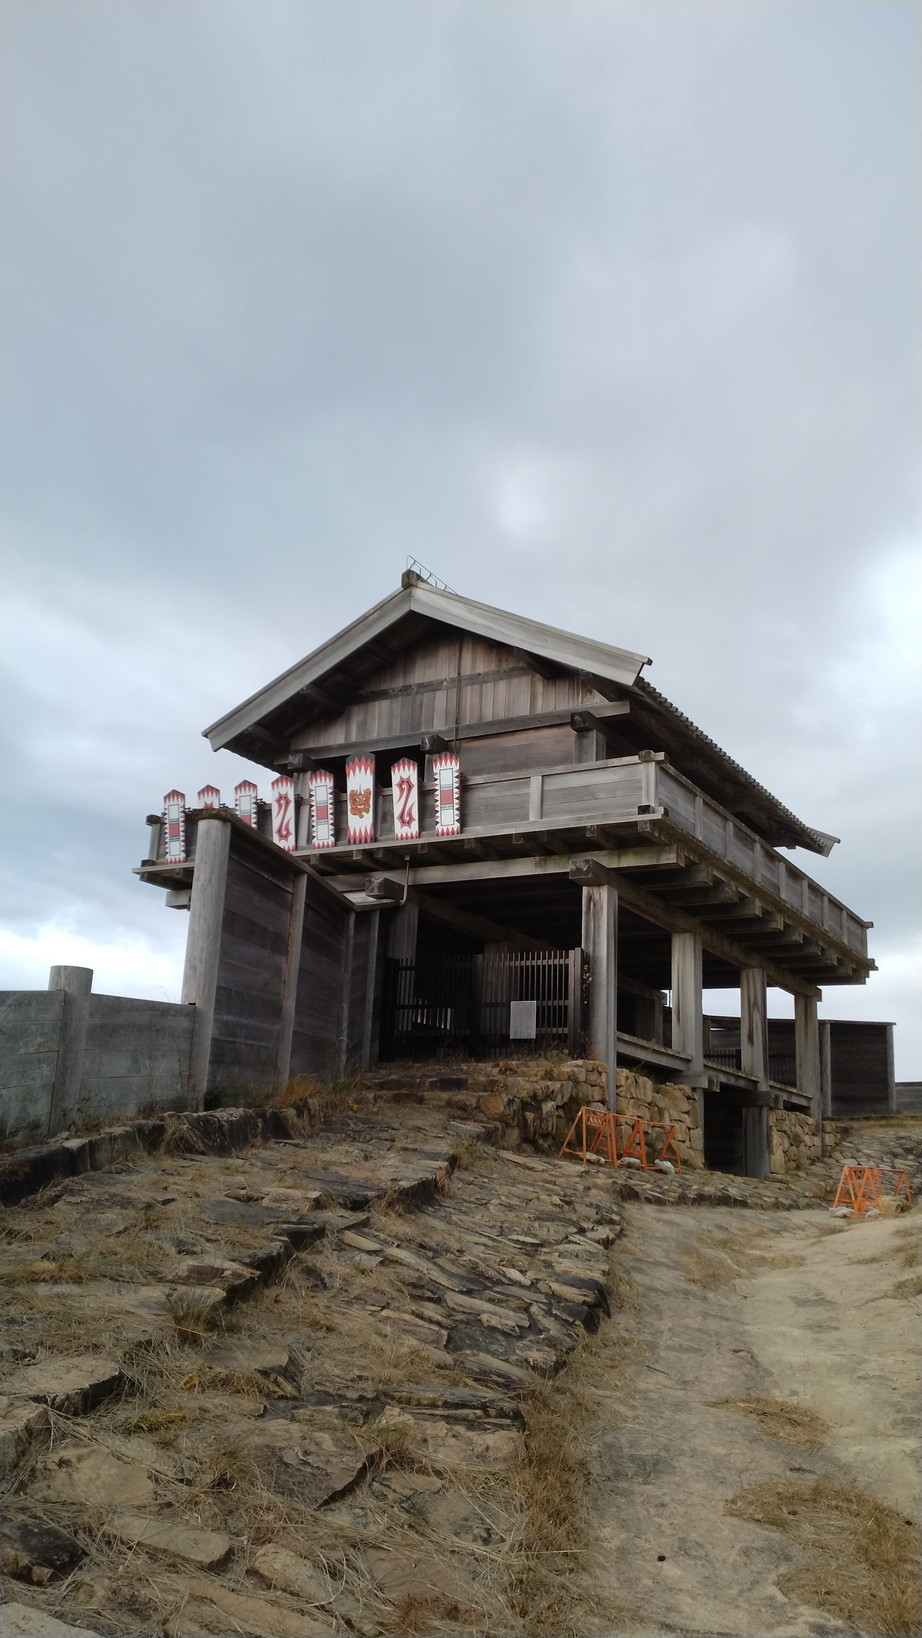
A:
{"x":550,"y":1575}
{"x":795,"y":1424}
{"x":910,"y":1287}
{"x":861,"y":1562}
{"x":194,"y":1311}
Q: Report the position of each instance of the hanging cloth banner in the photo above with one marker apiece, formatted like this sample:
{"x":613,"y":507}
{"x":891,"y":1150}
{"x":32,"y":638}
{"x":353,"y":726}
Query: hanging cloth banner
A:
{"x":245,"y":797}
{"x":209,"y":797}
{"x":405,"y":787}
{"x":360,"y":798}
{"x":283,"y":812}
{"x":323,"y":811}
{"x":174,"y":827}
{"x":446,"y":772}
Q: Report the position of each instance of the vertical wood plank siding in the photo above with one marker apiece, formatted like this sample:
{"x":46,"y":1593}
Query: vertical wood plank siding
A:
{"x":494,"y":683}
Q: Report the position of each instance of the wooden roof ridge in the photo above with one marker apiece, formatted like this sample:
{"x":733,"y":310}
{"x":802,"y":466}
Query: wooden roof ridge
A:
{"x":820,"y":841}
{"x":416,"y":597}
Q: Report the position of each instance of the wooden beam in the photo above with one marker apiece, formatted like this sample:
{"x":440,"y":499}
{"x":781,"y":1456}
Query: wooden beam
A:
{"x":480,"y":927}
{"x":630,"y":858}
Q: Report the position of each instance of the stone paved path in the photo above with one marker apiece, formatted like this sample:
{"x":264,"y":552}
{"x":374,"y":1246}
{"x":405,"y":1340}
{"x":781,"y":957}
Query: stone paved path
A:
{"x":284,"y":1391}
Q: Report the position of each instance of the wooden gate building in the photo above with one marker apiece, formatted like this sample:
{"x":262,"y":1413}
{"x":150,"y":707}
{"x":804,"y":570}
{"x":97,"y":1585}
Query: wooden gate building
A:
{"x":485,"y":835}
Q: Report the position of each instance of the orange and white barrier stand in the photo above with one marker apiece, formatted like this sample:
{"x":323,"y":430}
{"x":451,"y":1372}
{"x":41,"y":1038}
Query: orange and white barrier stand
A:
{"x":668,"y":1156}
{"x":635,"y":1150}
{"x":858,"y":1192}
{"x":902,"y":1188}
{"x":596,"y":1136}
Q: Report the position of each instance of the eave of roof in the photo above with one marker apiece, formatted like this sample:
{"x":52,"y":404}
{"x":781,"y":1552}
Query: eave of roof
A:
{"x":816,"y":841}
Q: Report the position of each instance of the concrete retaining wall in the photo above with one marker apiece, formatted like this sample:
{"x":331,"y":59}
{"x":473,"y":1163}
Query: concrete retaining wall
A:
{"x":68,"y":1057}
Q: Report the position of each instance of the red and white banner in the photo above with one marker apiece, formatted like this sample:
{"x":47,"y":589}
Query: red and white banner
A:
{"x":209,"y":797}
{"x":174,"y":827}
{"x":283,"y":812}
{"x":323,"y":809}
{"x":360,"y":799}
{"x":245,"y":798}
{"x":405,"y":787}
{"x":446,"y":772}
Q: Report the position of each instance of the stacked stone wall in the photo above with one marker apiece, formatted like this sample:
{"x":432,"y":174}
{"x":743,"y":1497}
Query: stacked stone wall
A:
{"x":795,"y":1141}
{"x":535,"y":1100}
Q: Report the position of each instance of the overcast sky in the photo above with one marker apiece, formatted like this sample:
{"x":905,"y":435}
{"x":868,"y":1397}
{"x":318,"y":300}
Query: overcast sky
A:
{"x":610,"y":313}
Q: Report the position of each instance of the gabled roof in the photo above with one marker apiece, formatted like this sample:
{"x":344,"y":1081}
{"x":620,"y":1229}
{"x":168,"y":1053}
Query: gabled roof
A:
{"x":385,"y":630}
{"x":325,"y":681}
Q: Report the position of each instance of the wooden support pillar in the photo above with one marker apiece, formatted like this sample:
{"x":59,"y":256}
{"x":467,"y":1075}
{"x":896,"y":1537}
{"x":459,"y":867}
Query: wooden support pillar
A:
{"x":600,"y":942}
{"x":369,"y":1045}
{"x":754,"y":1061}
{"x":290,"y":979}
{"x":687,"y":1005}
{"x":807,"y":1056}
{"x":825,"y":1046}
{"x":77,"y":984}
{"x":346,"y":979}
{"x":754,"y":1025}
{"x":203,"y":944}
{"x":404,"y":924}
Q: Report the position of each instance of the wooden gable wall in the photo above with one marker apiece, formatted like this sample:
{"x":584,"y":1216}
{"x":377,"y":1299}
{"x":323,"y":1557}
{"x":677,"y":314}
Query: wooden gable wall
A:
{"x":448,"y":681}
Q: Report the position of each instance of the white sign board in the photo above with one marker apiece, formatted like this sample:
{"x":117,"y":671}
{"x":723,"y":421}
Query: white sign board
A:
{"x":523,"y":1020}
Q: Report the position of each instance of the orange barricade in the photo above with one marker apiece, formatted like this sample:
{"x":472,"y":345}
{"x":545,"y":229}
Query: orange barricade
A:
{"x":859,"y":1190}
{"x":902,"y":1185}
{"x":670,"y":1149}
{"x":636,"y":1146}
{"x":596,"y":1136}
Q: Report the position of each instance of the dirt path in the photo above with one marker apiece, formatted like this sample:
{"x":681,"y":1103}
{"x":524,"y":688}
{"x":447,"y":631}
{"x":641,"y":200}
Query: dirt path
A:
{"x":729,"y":1305}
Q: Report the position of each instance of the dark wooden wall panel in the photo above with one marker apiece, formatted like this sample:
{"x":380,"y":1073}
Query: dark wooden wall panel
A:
{"x":861,"y":1064}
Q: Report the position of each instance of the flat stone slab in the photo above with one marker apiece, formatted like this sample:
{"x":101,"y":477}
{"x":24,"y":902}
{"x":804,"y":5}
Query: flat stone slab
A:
{"x":20,"y":1421}
{"x":71,"y":1385}
{"x":205,"y":1549}
{"x":18,"y":1621}
{"x":243,"y":1613}
{"x":449,"y":1445}
{"x":271,"y":1363}
{"x":93,"y":1477}
{"x":308,"y":1464}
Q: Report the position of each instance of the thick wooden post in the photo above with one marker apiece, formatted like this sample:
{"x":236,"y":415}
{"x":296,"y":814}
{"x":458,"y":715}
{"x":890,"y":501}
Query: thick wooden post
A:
{"x":754,"y":1061}
{"x":290,"y":979}
{"x":401,"y":944}
{"x":754,"y":1025}
{"x":600,"y":942}
{"x":203,"y":945}
{"x":77,"y":984}
{"x":369,"y":1049}
{"x":687,"y":1004}
{"x":346,"y":997}
{"x":807,"y":1056}
{"x":825,"y":1069}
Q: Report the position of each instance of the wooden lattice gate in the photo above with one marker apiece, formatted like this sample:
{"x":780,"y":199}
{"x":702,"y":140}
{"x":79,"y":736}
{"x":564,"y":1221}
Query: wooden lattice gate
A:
{"x":511,"y":1002}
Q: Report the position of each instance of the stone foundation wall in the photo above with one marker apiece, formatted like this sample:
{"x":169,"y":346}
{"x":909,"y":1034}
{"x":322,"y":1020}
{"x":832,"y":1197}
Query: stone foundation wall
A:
{"x":795,"y":1141}
{"x":644,"y":1099}
{"x":535,"y":1100}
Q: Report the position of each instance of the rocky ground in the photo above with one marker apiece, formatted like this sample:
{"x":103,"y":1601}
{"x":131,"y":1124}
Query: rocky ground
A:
{"x":329,"y":1383}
